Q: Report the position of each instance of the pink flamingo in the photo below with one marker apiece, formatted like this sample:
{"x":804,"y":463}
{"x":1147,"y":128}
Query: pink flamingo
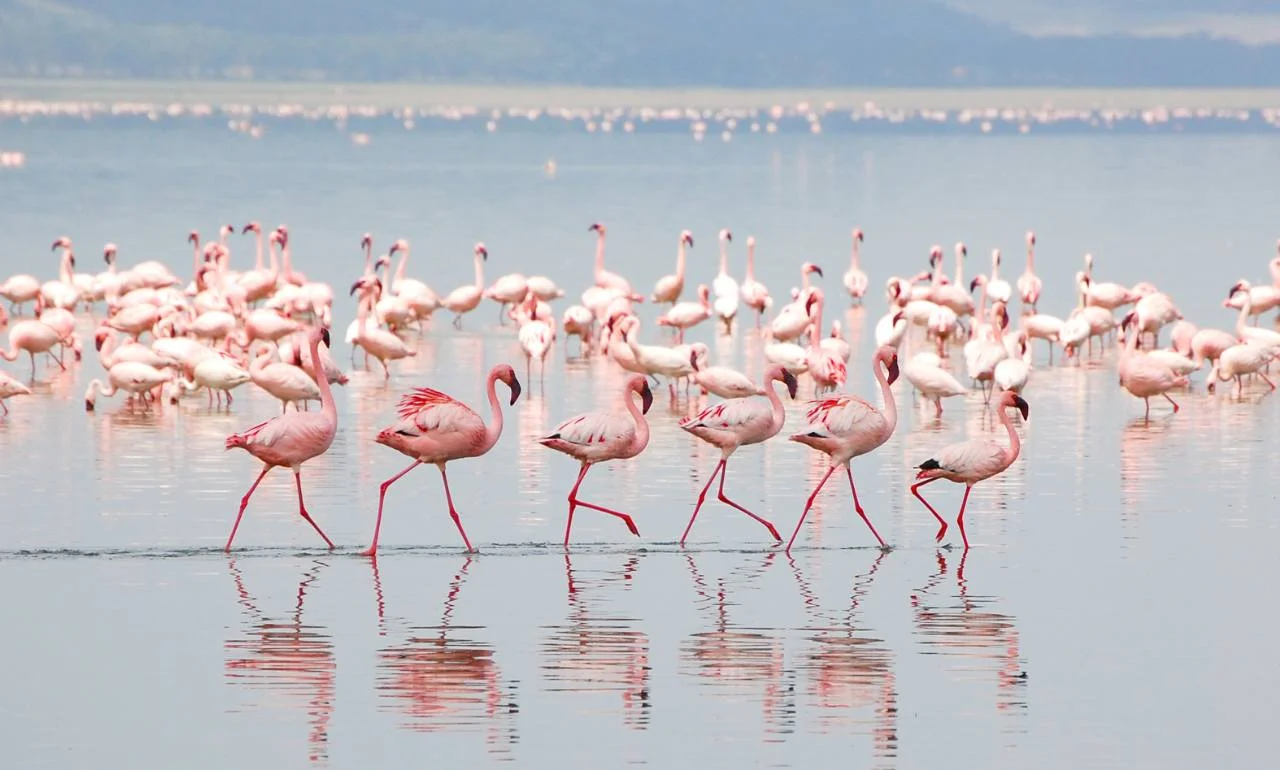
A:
{"x":291,"y":439}
{"x":601,"y":436}
{"x":735,"y":423}
{"x":969,"y":462}
{"x":436,"y":428}
{"x":845,"y":427}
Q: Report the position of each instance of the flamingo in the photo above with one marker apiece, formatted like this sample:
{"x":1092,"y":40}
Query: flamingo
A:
{"x":687,"y":314}
{"x":605,"y":279}
{"x":924,"y":371}
{"x":755,"y":295}
{"x":1012,"y":373}
{"x":1029,"y":284}
{"x":844,"y":427}
{"x":1265,"y":338}
{"x":535,"y":337}
{"x":823,"y":364}
{"x":1262,"y":298}
{"x":420,"y":298}
{"x":969,"y":462}
{"x":34,"y":337}
{"x":998,"y":289}
{"x":544,"y":288}
{"x":793,"y":318}
{"x":669,"y":287}
{"x":1145,"y":377}
{"x":9,"y":387}
{"x":286,"y":382}
{"x":1040,"y":326}
{"x":855,"y":280}
{"x":720,"y":380}
{"x":110,"y":352}
{"x":259,"y":283}
{"x":131,"y":376}
{"x":216,"y":373}
{"x":20,"y":289}
{"x":728,"y":295}
{"x":464,"y":299}
{"x":836,"y":343}
{"x":510,"y":289}
{"x":600,"y":436}
{"x":1239,"y":360}
{"x":436,"y":428}
{"x":736,"y":423}
{"x":291,"y":439}
{"x":1104,"y":295}
{"x":378,"y":342}
{"x":578,"y":322}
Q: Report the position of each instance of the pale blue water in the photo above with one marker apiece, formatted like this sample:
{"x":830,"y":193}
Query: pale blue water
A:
{"x":1112,"y":613}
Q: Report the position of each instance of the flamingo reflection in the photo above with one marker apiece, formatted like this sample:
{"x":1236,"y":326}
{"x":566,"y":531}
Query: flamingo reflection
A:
{"x":849,"y":670}
{"x":286,"y":658}
{"x":440,"y":682}
{"x":964,"y":628}
{"x":593,"y":654}
{"x":741,"y":661}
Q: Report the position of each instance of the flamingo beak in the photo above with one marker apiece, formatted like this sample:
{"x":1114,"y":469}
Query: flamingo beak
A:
{"x":595,"y":228}
{"x":646,"y":398}
{"x":689,"y":240}
{"x":893,"y":370}
{"x":246,"y":229}
{"x":355,"y":286}
{"x":395,"y":247}
{"x":693,"y":359}
{"x":901,"y":315}
{"x":515,"y":389}
{"x":1022,"y":405}
{"x":974,"y":284}
{"x":789,"y":380}
{"x":816,"y":269}
{"x":324,"y":336}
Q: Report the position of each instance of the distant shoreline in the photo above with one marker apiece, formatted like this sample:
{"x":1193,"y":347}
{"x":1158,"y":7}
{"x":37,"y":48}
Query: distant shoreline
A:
{"x":394,"y":95}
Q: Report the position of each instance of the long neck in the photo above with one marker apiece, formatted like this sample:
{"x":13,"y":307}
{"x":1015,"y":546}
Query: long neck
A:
{"x":404,"y":261}
{"x":959,"y":270}
{"x":107,"y":355}
{"x":995,"y":269}
{"x":288,"y":259}
{"x":479,"y":272}
{"x":494,"y":429}
{"x":327,"y":406}
{"x":779,"y":411}
{"x":362,"y":309}
{"x":1031,"y":258}
{"x":680,"y":261}
{"x":1015,"y":443}
{"x":642,"y":425}
{"x":751,"y":262}
{"x":195,"y":255}
{"x":275,"y":260}
{"x":997,"y":331}
{"x":856,"y":257}
{"x":724,"y":257}
{"x":368,"y":258}
{"x":1243,"y":320}
{"x":600,"y":254}
{"x":890,"y":404}
{"x":815,"y":324}
{"x":66,"y":266}
{"x":257,"y":265}
{"x":259,"y":361}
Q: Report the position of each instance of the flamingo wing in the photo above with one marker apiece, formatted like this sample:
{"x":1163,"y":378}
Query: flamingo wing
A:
{"x":840,"y":415}
{"x":967,"y":459}
{"x":593,"y":428}
{"x":728,"y":415}
{"x":425,"y":410}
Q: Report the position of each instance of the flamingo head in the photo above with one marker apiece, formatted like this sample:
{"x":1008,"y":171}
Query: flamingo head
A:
{"x":1009,"y":398}
{"x":835,"y":330}
{"x":366,"y":241}
{"x":962,"y":250}
{"x":1238,"y":286}
{"x":704,"y":293}
{"x":899,"y":317}
{"x":725,"y":235}
{"x":383,"y":261}
{"x":319,"y":334}
{"x":274,"y":238}
{"x":697,"y":352}
{"x":193,"y":238}
{"x":809,"y":267}
{"x":857,"y":234}
{"x":686,"y":238}
{"x":506,"y":374}
{"x":62,"y":243}
{"x":596,"y":228}
{"x":790,"y":381}
{"x":1031,"y":237}
{"x":980,"y":280}
{"x":481,"y":251}
{"x":252,"y":227}
{"x":751,"y":241}
{"x":1088,"y":262}
{"x":283,"y":232}
{"x":935,"y":256}
{"x":109,"y":253}
{"x":100,"y":337}
{"x":640,"y":384}
{"x":400,"y":245}
{"x":995,"y":257}
{"x":226,"y":230}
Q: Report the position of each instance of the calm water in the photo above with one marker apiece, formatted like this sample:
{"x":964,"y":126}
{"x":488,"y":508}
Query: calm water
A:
{"x":1112,"y":613}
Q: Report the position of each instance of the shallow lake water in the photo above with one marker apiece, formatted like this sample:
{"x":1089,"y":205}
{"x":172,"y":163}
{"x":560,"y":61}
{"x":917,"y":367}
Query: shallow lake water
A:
{"x":1111,"y":613}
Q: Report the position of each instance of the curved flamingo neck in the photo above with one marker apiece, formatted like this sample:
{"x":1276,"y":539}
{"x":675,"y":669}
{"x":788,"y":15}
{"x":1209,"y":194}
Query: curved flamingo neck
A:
{"x":107,"y":354}
{"x":890,"y":404}
{"x":751,"y":262}
{"x":259,"y":362}
{"x":775,"y":402}
{"x":680,"y":257}
{"x":493,"y":430}
{"x":479,"y":272}
{"x":327,"y":406}
{"x":404,"y":262}
{"x":641,"y":439}
{"x":599,"y":256}
{"x":1015,"y":443}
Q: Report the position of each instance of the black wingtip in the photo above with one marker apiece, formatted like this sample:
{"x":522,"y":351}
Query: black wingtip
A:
{"x":929,"y":465}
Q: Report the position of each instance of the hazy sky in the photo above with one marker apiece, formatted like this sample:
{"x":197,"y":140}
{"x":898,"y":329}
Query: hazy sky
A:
{"x":1252,"y":21}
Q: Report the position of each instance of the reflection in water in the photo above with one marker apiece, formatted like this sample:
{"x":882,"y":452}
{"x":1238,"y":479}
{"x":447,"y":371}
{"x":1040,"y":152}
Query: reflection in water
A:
{"x":286,"y":658}
{"x":440,"y":682}
{"x":594,"y":654}
{"x":745,"y":664}
{"x":851,"y":675}
{"x":1141,"y":449}
{"x":965,"y":629}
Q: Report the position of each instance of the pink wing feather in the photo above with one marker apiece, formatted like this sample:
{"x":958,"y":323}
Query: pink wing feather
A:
{"x":426,"y":409}
{"x":727,"y":415}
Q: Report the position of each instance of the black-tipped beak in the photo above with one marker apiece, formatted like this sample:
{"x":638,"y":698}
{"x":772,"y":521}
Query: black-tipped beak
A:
{"x":55,"y":245}
{"x":515,"y":390}
{"x":324,"y":336}
{"x":974,"y":284}
{"x":728,"y":237}
{"x":790,"y":381}
{"x":646,"y":398}
{"x":693,"y":359}
{"x":818,"y":270}
{"x":106,"y":257}
{"x":1022,"y":405}
{"x":595,"y":228}
{"x":71,"y":259}
{"x":893,"y":370}
{"x":97,"y":343}
{"x":193,"y":238}
{"x":689,"y":240}
{"x":246,"y":229}
{"x":354,"y":287}
{"x":1232,"y":291}
{"x":900,"y":315}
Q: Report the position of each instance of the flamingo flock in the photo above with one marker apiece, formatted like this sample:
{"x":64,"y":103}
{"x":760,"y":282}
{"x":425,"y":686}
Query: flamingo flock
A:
{"x":160,"y":340}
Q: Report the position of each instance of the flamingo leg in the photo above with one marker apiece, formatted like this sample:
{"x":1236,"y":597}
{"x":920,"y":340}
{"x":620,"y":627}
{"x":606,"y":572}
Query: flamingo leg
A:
{"x":302,"y":509}
{"x":575,"y":502}
{"x":372,"y":550}
{"x":244,"y":503}
{"x":1147,"y":413}
{"x":1265,"y":379}
{"x":858,"y":506}
{"x":1171,"y":401}
{"x":724,"y":468}
{"x":701,"y":497}
{"x":807,"y":506}
{"x":453,"y":512}
{"x":915,"y":490}
{"x":960,"y":519}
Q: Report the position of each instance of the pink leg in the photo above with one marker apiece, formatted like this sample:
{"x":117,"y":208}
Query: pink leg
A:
{"x":807,"y":506}
{"x":575,"y":502}
{"x":1267,"y":380}
{"x":701,"y":497}
{"x":727,"y":501}
{"x":302,"y":509}
{"x":453,"y":512}
{"x":372,"y":550}
{"x":960,"y":519}
{"x":858,"y":506}
{"x":1171,"y":401}
{"x":244,"y":503}
{"x":915,"y":490}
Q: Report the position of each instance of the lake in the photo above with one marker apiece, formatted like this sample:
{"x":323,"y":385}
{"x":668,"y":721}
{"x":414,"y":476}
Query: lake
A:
{"x":1111,"y":613}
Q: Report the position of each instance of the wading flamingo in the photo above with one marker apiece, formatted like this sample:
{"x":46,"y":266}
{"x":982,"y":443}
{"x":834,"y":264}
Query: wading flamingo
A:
{"x":464,"y":299}
{"x":600,"y":436}
{"x":969,"y":462}
{"x":755,"y":295}
{"x":1029,"y":284}
{"x":728,"y":293}
{"x":855,"y":279}
{"x":669,"y":287}
{"x":291,"y":439}
{"x":605,"y":279}
{"x":436,"y":428}
{"x":736,"y":423}
{"x":845,"y":426}
{"x":9,"y":387}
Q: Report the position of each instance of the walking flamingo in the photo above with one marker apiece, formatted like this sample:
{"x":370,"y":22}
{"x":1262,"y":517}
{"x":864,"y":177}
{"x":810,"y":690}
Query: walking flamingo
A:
{"x":855,"y":279}
{"x":669,"y":287}
{"x":436,"y":428}
{"x":535,"y":337}
{"x":1029,"y":284}
{"x":736,"y":423}
{"x":600,"y":436}
{"x":969,"y":462}
{"x":755,"y":295}
{"x":845,"y":426}
{"x":291,"y":439}
{"x":136,"y":378}
{"x":464,"y":299}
